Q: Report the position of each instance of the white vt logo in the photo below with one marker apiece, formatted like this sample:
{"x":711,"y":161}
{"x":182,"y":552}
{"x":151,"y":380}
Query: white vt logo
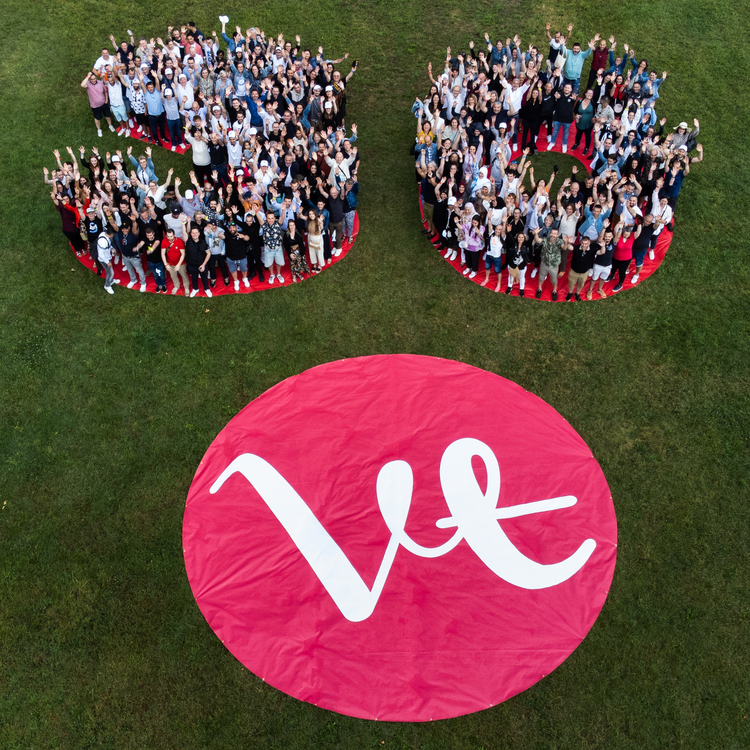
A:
{"x":473,"y":513}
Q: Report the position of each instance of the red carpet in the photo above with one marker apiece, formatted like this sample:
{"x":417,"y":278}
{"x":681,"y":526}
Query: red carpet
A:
{"x":649,"y":266}
{"x":219,"y":289}
{"x":167,"y":144}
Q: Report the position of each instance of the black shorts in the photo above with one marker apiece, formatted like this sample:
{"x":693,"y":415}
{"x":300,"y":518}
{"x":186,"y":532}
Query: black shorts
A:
{"x":102,"y":111}
{"x":141,"y":119}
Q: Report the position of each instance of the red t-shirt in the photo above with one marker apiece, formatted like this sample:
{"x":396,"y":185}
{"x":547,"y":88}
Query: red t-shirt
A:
{"x":173,"y":251}
{"x":624,"y":248}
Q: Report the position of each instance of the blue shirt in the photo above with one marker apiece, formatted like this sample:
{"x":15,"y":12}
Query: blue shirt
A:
{"x":574,"y":63}
{"x":153,"y":102}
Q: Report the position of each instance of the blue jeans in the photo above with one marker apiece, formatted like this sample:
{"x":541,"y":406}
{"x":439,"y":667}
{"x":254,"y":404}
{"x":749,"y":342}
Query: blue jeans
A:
{"x":159,"y":274}
{"x":175,"y":132}
{"x":556,"y":129}
{"x":574,"y":82}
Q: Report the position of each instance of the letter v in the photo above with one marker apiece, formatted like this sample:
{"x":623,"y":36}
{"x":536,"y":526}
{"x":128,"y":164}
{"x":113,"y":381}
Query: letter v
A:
{"x":332,"y":567}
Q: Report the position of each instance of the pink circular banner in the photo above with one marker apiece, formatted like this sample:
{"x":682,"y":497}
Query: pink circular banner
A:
{"x":400,"y":538}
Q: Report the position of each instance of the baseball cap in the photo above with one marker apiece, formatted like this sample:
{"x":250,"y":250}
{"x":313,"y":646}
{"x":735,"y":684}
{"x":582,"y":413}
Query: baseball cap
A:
{"x":264,"y":163}
{"x":189,"y":194}
{"x":231,"y":134}
{"x":452,"y":201}
{"x":168,"y":92}
{"x":681,"y":125}
{"x":328,"y":105}
{"x":329,"y":88}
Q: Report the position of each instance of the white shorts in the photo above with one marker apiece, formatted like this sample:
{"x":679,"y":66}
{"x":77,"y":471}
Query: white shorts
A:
{"x":601,"y":271}
{"x":270,"y":257}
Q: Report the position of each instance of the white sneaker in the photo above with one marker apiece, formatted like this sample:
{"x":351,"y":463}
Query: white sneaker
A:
{"x":634,"y":280}
{"x":565,"y":149}
{"x":237,"y":285}
{"x":281,"y":279}
{"x":454,"y":255}
{"x":446,"y":253}
{"x":533,"y":274}
{"x":115,"y":281}
{"x":99,"y":132}
{"x":131,"y":284}
{"x":194,"y":292}
{"x":472,"y":274}
{"x":143,"y":288}
{"x":651,"y":255}
{"x":109,"y":290}
{"x":174,"y":148}
{"x":549,"y":139}
{"x":466,"y":270}
{"x":549,"y":146}
{"x":209,"y":293}
{"x":131,"y":124}
{"x":246,"y":281}
{"x":140,"y":128}
{"x":272,"y":279}
{"x":112,"y":128}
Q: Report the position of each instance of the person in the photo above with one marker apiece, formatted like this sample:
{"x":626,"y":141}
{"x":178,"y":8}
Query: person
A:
{"x":151,"y":245}
{"x":197,"y":255}
{"x":551,"y":251}
{"x":295,"y":250}
{"x":315,"y":241}
{"x":235,"y":242}
{"x":642,"y":244}
{"x":473,"y":246}
{"x":272,"y":234}
{"x":623,"y":253}
{"x":126,"y":241}
{"x":98,"y":100}
{"x":493,"y":258}
{"x":562,"y":117}
{"x":215,"y":238}
{"x":602,"y":268}
{"x":518,"y":256}
{"x":104,"y":254}
{"x":173,"y":258}
{"x":582,"y":261}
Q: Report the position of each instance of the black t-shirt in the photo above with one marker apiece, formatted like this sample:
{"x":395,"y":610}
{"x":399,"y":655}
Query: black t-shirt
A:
{"x":93,"y":227}
{"x":153,"y":250}
{"x":336,"y":209}
{"x":583,"y":262}
{"x":195,"y":252}
{"x":605,"y":259}
{"x":428,"y":192}
{"x":235,"y":246}
{"x":564,"y":109}
{"x":218,"y":152}
{"x":643,"y":240}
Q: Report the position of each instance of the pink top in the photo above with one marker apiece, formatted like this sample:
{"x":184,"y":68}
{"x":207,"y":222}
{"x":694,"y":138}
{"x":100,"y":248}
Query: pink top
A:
{"x":96,"y":93}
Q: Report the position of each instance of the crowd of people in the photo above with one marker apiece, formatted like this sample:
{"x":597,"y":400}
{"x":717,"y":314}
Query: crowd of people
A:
{"x":274,"y":179}
{"x":491,"y":109}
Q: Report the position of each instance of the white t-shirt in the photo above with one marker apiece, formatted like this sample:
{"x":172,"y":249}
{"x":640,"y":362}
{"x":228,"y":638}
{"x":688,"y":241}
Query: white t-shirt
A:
{"x":115,"y":94}
{"x":101,"y":62}
{"x":495,"y":249}
{"x":104,"y":249}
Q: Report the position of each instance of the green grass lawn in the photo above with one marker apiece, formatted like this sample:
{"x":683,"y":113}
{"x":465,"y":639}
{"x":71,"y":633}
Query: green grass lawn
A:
{"x":107,"y":403}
